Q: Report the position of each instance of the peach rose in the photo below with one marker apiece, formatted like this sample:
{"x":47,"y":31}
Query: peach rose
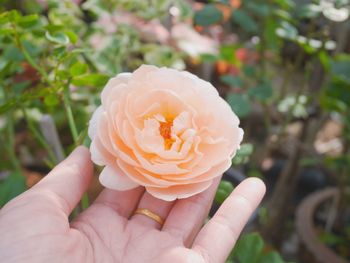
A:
{"x":163,"y":129}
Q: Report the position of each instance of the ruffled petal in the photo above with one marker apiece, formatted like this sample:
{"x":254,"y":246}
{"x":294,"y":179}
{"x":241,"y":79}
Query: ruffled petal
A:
{"x":178,"y":191}
{"x":94,"y":122}
{"x":113,"y":178}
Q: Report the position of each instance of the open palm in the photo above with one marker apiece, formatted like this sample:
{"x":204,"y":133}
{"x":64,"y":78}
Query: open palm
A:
{"x":34,"y":227}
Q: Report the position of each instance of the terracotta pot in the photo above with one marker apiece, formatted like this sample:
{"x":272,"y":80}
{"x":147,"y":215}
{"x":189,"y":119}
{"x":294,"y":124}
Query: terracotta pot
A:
{"x":312,"y":250}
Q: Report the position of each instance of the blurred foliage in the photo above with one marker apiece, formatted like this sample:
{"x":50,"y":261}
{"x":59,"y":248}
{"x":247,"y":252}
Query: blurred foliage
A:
{"x":251,"y":248}
{"x":56,"y":56}
{"x":276,"y":62}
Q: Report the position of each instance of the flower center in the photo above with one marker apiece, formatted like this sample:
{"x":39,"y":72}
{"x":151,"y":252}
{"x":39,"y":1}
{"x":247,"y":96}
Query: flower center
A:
{"x":165,"y":132}
{"x":165,"y":129}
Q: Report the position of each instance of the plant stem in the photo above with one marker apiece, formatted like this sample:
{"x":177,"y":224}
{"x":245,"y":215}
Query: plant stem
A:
{"x":27,"y":55}
{"x":10,"y":132}
{"x":84,"y":203}
{"x":39,"y":137}
{"x":69,"y":112}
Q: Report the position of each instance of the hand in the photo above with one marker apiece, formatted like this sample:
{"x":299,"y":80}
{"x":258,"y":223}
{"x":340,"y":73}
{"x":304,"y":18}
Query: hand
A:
{"x":34,"y":227}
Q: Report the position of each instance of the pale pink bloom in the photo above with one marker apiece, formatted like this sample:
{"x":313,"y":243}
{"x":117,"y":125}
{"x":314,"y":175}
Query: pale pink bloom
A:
{"x":163,"y":129}
{"x":152,"y":30}
{"x":99,"y":41}
{"x":191,"y":42}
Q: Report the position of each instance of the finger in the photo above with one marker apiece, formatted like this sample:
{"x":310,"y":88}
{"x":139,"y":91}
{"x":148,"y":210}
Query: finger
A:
{"x":156,"y":206}
{"x":187,"y":216}
{"x":219,"y":235}
{"x":68,"y":181}
{"x":123,"y":202}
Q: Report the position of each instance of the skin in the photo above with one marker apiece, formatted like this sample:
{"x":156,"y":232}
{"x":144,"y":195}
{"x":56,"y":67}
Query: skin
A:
{"x":34,"y":227}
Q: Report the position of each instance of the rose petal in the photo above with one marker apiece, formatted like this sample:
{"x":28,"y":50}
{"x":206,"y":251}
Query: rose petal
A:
{"x":93,"y":124}
{"x":113,"y":83}
{"x":113,"y":178}
{"x":178,"y":191}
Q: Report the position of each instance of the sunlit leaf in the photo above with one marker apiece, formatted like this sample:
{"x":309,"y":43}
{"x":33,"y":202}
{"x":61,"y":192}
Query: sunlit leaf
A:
{"x":58,"y":38}
{"x":78,"y":69}
{"x":73,"y":38}
{"x":51,"y":100}
{"x":28,"y":21}
{"x":90,"y":80}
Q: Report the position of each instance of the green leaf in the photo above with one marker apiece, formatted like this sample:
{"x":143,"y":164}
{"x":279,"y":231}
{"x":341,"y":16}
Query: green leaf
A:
{"x":332,"y":104}
{"x":240,"y":104}
{"x":30,"y":47}
{"x":262,"y":92}
{"x":4,"y":18}
{"x":209,"y":58}
{"x":249,"y":71}
{"x":340,"y":67}
{"x":272,"y":40}
{"x":54,"y":28}
{"x":220,"y":196}
{"x":339,"y":90}
{"x":11,"y":187}
{"x":51,"y":100}
{"x":73,"y":38}
{"x":224,"y":190}
{"x":249,"y":248}
{"x":232,"y":81}
{"x":12,"y":53}
{"x":6,"y":31}
{"x":62,"y":74}
{"x":271,"y":257}
{"x":325,"y":60}
{"x":246,"y":149}
{"x":11,"y":16}
{"x":226,"y":186}
{"x":285,"y":4}
{"x":243,"y":153}
{"x":58,"y":38}
{"x":242,"y":18}
{"x":90,"y":80}
{"x":59,"y":52}
{"x":227,"y":53}
{"x":28,"y":21}
{"x":78,"y":69}
{"x":207,"y":16}
{"x":9,"y":104}
{"x":282,"y":14}
{"x":260,"y":9}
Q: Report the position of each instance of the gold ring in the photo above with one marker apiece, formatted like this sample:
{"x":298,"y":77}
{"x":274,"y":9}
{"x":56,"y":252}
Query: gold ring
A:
{"x":150,"y":214}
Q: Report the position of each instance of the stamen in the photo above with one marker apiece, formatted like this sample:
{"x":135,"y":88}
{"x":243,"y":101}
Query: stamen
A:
{"x":165,"y":129}
{"x":165,"y":132}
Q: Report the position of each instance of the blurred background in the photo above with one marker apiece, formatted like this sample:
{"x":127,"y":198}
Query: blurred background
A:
{"x":282,"y":65}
